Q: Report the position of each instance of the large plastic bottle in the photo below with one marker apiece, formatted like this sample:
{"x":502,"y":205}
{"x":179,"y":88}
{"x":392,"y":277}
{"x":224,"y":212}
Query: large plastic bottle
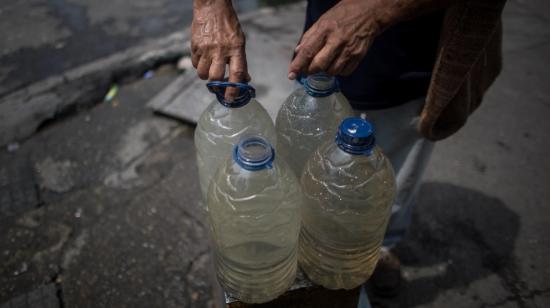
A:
{"x":254,"y":213}
{"x":309,"y":117}
{"x":222,"y":124}
{"x":349,"y":188}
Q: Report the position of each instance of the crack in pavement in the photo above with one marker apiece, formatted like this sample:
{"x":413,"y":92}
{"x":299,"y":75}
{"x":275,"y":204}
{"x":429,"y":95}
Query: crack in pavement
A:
{"x":506,"y":269}
{"x":57,"y":280}
{"x":514,"y":298}
{"x":199,"y":255}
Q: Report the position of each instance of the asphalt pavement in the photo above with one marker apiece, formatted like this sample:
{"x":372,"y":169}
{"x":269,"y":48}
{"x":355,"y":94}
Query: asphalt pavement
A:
{"x":100,"y":208}
{"x":43,"y":38}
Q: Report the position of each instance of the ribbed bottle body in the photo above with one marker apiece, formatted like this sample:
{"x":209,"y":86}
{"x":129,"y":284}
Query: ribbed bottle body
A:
{"x":305,"y":122}
{"x":220,"y":128}
{"x":346,"y":209}
{"x":255,"y":222}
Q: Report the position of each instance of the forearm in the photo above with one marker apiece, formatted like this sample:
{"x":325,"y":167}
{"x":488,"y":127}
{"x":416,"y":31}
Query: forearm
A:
{"x":215,"y":17}
{"x":198,"y":4}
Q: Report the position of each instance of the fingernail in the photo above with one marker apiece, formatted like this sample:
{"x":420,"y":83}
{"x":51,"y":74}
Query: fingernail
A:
{"x":291,"y":76}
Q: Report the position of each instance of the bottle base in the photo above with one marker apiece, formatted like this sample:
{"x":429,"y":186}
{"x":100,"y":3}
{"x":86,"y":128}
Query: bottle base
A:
{"x":336,"y":268}
{"x":256,"y":286}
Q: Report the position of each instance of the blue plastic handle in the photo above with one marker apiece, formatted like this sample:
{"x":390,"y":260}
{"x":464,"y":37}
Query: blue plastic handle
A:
{"x":246,"y":92}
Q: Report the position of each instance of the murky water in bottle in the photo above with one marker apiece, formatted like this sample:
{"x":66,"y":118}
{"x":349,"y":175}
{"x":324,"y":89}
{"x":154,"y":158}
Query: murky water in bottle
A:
{"x":255,"y":220}
{"x":347,"y":205}
{"x":220,"y":128}
{"x":309,"y":117}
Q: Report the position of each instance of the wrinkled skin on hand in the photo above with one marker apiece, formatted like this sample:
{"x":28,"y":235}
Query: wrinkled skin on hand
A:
{"x":217,"y":40}
{"x":339,"y":40}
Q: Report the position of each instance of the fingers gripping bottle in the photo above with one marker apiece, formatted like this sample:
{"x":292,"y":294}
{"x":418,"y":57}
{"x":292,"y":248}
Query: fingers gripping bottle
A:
{"x":223,"y":123}
{"x":309,"y":117}
{"x":254,"y":213}
{"x":349,"y":188}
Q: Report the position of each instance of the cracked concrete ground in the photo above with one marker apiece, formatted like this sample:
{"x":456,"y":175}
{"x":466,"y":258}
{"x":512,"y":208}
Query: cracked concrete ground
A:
{"x":100,"y":209}
{"x":119,"y":225}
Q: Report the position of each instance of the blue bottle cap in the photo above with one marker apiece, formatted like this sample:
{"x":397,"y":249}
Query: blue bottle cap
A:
{"x":320,"y":85}
{"x":356,"y":136}
{"x":254,"y":153}
{"x":245,"y":94}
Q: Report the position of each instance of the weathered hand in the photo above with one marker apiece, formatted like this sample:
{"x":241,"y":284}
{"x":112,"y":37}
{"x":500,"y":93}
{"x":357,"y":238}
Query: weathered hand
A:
{"x":217,"y":40}
{"x":339,"y":40}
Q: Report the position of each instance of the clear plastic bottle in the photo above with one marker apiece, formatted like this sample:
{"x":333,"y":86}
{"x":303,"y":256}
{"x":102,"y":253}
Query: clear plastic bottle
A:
{"x":222,"y":124}
{"x":349,"y":188}
{"x":309,"y":117}
{"x":254,"y":213}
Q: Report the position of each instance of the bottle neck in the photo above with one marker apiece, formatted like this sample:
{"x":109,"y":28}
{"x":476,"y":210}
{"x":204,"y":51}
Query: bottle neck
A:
{"x":356,"y":136}
{"x":320,"y":85}
{"x":238,"y":102}
{"x":354,"y":149}
{"x":254,"y":153}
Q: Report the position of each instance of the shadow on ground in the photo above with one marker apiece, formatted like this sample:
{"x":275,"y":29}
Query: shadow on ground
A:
{"x":458,"y":236}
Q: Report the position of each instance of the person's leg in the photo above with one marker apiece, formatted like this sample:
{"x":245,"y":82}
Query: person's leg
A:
{"x":409,"y":153}
{"x":408,"y":181}
{"x":396,"y":134}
